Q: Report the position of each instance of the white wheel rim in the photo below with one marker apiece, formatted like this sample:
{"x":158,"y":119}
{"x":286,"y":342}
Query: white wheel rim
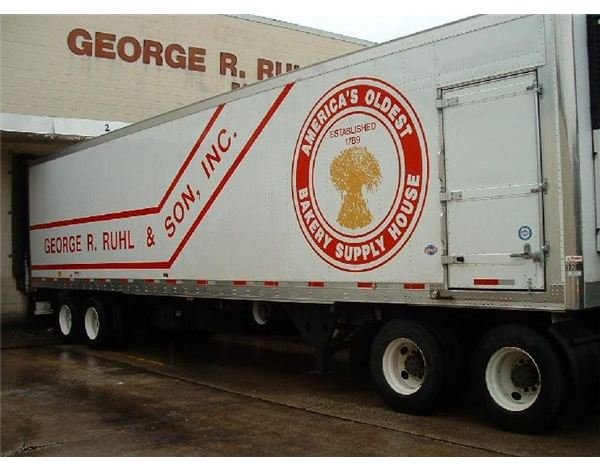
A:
{"x":513,"y":379}
{"x":260,"y":313}
{"x":404,"y":366}
{"x":92,"y":323}
{"x":65,"y":320}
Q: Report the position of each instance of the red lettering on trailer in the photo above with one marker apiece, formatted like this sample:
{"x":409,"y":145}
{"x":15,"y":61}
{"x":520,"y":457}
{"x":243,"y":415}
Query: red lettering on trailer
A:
{"x":63,"y":244}
{"x":179,"y":210}
{"x":355,"y":240}
{"x":117,"y":240}
{"x":213,"y":158}
{"x":166,"y":264}
{"x":90,"y":243}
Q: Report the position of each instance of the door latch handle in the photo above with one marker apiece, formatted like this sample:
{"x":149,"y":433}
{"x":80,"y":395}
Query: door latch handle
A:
{"x":526,"y":252}
{"x":536,"y":257}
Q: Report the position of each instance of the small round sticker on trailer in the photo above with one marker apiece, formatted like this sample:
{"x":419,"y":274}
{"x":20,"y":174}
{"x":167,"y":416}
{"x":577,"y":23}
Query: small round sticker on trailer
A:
{"x":525,"y":233}
{"x":431,"y":249}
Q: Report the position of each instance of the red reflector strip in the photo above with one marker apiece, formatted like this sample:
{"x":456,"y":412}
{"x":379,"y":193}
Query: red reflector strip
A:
{"x":171,"y":281}
{"x":316,"y":284}
{"x":104,"y":280}
{"x":149,"y":281}
{"x":414,"y":286}
{"x":486,"y":282}
{"x":240,"y":283}
{"x":124,"y":280}
{"x":365,"y":285}
{"x":272,"y":283}
{"x":202,"y":282}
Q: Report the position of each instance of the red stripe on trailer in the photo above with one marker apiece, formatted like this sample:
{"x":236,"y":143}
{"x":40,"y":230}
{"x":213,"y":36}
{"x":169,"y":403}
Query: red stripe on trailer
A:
{"x":316,"y":284}
{"x":365,"y":285}
{"x":414,"y":286}
{"x":167,"y":264}
{"x":274,"y":107}
{"x":140,"y":211}
{"x":202,"y":282}
{"x":486,"y":282}
{"x":150,"y":281}
{"x":240,"y":283}
{"x":271,"y":283}
{"x":171,"y":281}
{"x":124,"y":280}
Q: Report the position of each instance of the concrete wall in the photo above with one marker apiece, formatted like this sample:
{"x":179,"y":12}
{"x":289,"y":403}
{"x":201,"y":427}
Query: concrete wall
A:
{"x":12,"y":302}
{"x":42,"y":76}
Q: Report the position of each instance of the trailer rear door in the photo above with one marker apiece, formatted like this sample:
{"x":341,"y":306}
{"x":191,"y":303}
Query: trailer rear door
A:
{"x":493,"y":185}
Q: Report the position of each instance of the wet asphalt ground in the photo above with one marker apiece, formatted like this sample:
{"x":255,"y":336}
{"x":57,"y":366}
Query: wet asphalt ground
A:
{"x":233,"y":395}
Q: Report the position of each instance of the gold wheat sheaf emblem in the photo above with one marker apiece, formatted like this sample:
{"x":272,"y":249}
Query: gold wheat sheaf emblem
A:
{"x":351,"y":171}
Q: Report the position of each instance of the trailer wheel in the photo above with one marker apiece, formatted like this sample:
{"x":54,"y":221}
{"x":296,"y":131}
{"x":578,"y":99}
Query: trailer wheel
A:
{"x":454,"y":364}
{"x":520,"y":379}
{"x":407,"y":367}
{"x":99,"y":324}
{"x":261,"y":315}
{"x":68,"y":320}
{"x":360,"y":348}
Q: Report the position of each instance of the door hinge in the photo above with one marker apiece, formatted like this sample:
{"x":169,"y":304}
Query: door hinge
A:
{"x":546,"y":249}
{"x":452,"y":195}
{"x":543,"y":188}
{"x":538,"y":89}
{"x":446,"y":102}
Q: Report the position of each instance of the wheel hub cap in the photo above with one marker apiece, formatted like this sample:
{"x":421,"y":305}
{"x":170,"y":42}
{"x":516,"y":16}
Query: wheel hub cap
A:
{"x":513,"y":379}
{"x":65,"y":320}
{"x":403,"y":366}
{"x":92,"y":323}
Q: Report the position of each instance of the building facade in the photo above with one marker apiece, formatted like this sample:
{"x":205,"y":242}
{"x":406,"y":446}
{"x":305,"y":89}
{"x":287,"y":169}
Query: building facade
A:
{"x":64,"y":78}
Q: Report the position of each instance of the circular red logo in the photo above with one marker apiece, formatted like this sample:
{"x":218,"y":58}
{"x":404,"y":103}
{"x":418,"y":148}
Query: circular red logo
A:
{"x":360,"y":174}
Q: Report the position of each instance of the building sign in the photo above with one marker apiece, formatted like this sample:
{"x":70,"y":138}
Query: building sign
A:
{"x":130,"y":49}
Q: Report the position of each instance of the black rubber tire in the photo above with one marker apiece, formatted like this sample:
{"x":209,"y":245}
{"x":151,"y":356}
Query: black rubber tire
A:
{"x":75,"y":335}
{"x":110,"y":327}
{"x":454,"y":363}
{"x":542,"y":414}
{"x":428,"y":396}
{"x":359,"y":355}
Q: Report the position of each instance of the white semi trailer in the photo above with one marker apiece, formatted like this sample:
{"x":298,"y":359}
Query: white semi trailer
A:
{"x":436,"y":198}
